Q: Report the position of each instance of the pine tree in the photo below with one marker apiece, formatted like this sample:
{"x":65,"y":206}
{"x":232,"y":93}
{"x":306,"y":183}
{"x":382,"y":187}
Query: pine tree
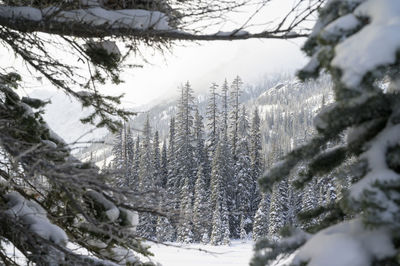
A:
{"x":147,"y":222}
{"x":130,"y":155}
{"x":260,"y":228}
{"x":278,"y":210}
{"x":344,"y":43}
{"x":235,"y":93}
{"x":227,"y":167}
{"x":201,"y":208}
{"x":200,"y":155}
{"x":218,"y":198}
{"x":123,"y":152}
{"x":173,"y":188}
{"x":185,"y":227}
{"x":164,"y":165}
{"x":157,"y":174}
{"x":185,"y":164}
{"x":212,"y":118}
{"x":245,"y":182}
{"x":136,"y":164}
{"x":256,"y":160}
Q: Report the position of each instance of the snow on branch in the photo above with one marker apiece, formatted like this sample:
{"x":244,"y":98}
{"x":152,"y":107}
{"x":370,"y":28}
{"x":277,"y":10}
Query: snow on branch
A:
{"x":100,"y":22}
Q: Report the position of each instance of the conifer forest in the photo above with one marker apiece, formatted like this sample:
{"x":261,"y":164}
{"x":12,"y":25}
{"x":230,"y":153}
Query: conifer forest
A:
{"x":200,"y":132}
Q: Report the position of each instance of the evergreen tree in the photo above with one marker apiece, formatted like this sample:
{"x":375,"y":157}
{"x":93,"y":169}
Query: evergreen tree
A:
{"x":260,"y":228}
{"x":136,"y":163}
{"x":218,"y":198}
{"x":157,"y":174}
{"x":123,"y":152}
{"x":130,"y":155}
{"x":224,"y":109}
{"x":185,"y":227}
{"x":212,"y":118}
{"x":164,"y":165}
{"x":200,"y":155}
{"x":185,"y":164}
{"x":173,"y":188}
{"x":235,"y":93}
{"x":256,"y":159}
{"x":147,"y":222}
{"x":227,"y":168}
{"x":245,"y":182}
{"x":278,"y":210}
{"x":201,"y":208}
{"x":345,"y":42}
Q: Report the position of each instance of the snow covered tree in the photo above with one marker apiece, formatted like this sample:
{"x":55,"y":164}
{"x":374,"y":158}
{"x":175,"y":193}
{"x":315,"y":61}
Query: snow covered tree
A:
{"x":185,"y":226}
{"x":123,"y":152}
{"x":256,"y":159}
{"x":357,"y":43}
{"x":185,"y":164}
{"x":200,"y":154}
{"x":212,"y":119}
{"x":260,"y":227}
{"x":201,"y":208}
{"x":236,"y":90}
{"x":278,"y":209}
{"x":147,"y":221}
{"x":244,"y":179}
{"x":220,"y":223}
{"x":164,"y":165}
{"x":157,"y":175}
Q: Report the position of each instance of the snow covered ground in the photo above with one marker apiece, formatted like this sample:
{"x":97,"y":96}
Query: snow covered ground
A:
{"x":238,"y":253}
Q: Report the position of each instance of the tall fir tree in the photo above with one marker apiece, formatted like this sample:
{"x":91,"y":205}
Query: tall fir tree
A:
{"x":227,"y":169}
{"x":212,"y":119}
{"x":185,"y":226}
{"x":261,"y":222}
{"x":201,"y":208}
{"x":245,"y":182}
{"x":221,"y":226}
{"x":164,"y":165}
{"x":356,"y":43}
{"x":147,"y":221}
{"x":256,"y":158}
{"x":234,"y":98}
{"x":185,"y":164}
{"x":157,"y":174}
{"x":278,"y":210}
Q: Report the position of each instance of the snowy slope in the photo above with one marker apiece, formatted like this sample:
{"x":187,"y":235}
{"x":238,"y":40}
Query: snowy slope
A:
{"x":238,"y":253}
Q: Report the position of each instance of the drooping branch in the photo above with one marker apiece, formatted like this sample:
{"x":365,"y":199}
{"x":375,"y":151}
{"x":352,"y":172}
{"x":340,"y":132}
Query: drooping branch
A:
{"x":99,"y":22}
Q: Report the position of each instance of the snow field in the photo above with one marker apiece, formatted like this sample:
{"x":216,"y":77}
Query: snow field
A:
{"x":238,"y":253}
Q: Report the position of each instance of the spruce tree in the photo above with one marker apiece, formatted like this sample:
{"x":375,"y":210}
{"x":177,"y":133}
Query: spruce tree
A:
{"x":147,"y":221}
{"x":164,"y":165}
{"x":201,"y":208}
{"x":185,"y":164}
{"x":185,"y":226}
{"x":157,"y":174}
{"x":260,"y":228}
{"x":356,"y":42}
{"x":278,"y":210}
{"x":256,"y":159}
{"x":212,"y":119}
{"x":244,"y":179}
{"x":236,"y":90}
{"x":218,"y":197}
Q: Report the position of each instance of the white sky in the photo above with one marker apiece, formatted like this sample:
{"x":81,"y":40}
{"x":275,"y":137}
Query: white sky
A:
{"x":206,"y":63}
{"x":202,"y":63}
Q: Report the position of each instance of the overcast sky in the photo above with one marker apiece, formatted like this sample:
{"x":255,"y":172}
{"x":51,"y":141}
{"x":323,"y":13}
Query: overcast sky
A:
{"x":206,"y":63}
{"x":202,"y":63}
